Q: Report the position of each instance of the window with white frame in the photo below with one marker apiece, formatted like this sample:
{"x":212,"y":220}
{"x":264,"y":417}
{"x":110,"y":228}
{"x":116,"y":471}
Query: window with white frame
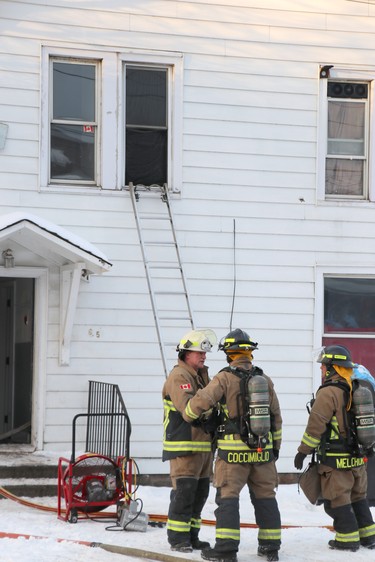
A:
{"x":110,"y":118}
{"x":349,"y":316}
{"x":346,"y":163}
{"x":74,"y":129}
{"x":345,"y":311}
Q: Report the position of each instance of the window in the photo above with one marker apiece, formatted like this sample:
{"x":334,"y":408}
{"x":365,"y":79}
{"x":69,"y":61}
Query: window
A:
{"x":73,"y":122}
{"x":347,"y":152}
{"x":349,"y":305}
{"x":146,"y":125}
{"x":349,"y":316}
{"x":110,"y":118}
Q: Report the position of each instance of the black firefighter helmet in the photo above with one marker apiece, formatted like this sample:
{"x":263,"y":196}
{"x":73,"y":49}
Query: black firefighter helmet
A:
{"x":236,"y":340}
{"x":335,"y":355}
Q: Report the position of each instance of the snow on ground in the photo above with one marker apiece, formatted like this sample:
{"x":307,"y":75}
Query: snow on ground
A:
{"x":305,"y":543}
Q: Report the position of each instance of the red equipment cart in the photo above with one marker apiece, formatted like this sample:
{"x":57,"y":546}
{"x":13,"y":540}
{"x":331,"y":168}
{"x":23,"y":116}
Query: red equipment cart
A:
{"x":93,"y":481}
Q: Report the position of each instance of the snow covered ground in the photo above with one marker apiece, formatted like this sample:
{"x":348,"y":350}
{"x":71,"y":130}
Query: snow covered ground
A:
{"x":307,"y":542}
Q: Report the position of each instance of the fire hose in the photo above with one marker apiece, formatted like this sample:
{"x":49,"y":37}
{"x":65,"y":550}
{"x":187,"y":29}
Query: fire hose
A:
{"x":152,"y":517}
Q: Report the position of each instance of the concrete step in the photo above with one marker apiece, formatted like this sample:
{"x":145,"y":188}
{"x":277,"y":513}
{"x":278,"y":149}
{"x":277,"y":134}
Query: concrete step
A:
{"x":28,"y":474}
{"x":28,"y":471}
{"x":36,"y":475}
{"x":30,"y":487}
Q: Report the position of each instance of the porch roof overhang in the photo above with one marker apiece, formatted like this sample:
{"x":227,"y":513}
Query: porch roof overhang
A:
{"x":50,"y":242}
{"x":36,"y":242}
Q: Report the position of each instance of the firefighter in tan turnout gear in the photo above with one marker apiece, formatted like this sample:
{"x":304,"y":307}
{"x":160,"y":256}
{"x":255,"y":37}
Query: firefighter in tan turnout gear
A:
{"x":342,"y":460}
{"x":187,"y":447}
{"x":248,"y":445}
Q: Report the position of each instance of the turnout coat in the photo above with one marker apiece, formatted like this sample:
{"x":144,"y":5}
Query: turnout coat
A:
{"x":225,"y":387}
{"x":182,"y":438}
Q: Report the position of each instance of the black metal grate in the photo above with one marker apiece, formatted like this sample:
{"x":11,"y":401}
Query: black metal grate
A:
{"x":108,"y":424}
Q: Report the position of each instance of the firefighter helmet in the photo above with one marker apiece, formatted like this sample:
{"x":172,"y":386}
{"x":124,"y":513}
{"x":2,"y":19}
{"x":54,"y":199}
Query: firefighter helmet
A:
{"x":335,"y":355}
{"x":237,"y":340}
{"x":197,"y":340}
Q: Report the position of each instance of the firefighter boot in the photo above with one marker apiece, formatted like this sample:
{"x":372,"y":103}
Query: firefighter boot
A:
{"x":269,"y":552}
{"x":182,"y":547}
{"x":337,"y":545}
{"x":196,"y":543}
{"x":219,"y":555}
{"x":368,"y":542}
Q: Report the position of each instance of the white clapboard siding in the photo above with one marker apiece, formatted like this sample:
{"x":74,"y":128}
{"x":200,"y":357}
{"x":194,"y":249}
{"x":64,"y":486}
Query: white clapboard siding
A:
{"x":249,"y":228}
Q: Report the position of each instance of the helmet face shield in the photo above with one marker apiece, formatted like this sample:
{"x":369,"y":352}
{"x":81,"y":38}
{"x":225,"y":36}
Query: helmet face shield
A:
{"x":334,"y":355}
{"x":318,"y":354}
{"x":198,"y":340}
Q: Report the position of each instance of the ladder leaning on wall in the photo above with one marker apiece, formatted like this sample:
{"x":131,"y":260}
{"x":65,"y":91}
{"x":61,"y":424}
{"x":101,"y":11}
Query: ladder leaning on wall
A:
{"x":163,"y":266}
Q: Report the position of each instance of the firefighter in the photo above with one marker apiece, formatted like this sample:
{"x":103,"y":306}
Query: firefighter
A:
{"x":243,"y":458}
{"x":342,"y":468}
{"x":365,"y":379}
{"x":188,"y":448}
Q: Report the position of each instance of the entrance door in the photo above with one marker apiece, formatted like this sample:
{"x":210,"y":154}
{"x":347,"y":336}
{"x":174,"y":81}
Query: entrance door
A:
{"x":16,"y":359}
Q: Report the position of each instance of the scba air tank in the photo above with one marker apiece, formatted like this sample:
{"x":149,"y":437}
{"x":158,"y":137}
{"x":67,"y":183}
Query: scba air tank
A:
{"x":259,"y":405}
{"x":363,"y":408}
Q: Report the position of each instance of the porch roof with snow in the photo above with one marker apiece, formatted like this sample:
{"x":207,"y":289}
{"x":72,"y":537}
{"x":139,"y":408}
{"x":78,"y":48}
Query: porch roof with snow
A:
{"x":49,"y":241}
{"x":36,"y":242}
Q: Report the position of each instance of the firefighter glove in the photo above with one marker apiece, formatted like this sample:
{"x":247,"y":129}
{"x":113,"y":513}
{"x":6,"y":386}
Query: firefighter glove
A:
{"x":276,"y":453}
{"x":298,"y":460}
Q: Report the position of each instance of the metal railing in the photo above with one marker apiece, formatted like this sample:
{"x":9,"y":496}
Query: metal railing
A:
{"x":108,"y":424}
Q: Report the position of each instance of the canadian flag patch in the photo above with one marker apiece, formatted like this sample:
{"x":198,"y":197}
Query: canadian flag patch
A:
{"x":186,"y":386}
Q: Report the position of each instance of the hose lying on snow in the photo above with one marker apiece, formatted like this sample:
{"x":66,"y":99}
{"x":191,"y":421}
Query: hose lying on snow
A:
{"x":125,"y":550}
{"x":152,"y":517}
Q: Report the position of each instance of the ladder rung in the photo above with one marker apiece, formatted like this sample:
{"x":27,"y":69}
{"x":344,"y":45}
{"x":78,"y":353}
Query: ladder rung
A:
{"x":174,"y":318}
{"x":170,"y":293}
{"x":159,"y":243}
{"x":156,"y":217}
{"x":156,"y":266}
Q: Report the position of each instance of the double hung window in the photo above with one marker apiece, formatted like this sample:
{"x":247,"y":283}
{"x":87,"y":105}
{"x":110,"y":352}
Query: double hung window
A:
{"x":110,"y":119}
{"x":347,"y":140}
{"x":346,"y":149}
{"x":73,"y":122}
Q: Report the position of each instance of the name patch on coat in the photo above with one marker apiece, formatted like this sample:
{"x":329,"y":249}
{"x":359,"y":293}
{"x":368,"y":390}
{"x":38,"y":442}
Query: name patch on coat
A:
{"x":186,"y":386}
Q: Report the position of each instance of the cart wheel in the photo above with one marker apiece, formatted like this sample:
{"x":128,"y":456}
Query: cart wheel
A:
{"x":73,"y":516}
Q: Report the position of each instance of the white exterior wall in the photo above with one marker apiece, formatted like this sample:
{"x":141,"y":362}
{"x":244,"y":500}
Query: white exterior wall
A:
{"x":249,"y":164}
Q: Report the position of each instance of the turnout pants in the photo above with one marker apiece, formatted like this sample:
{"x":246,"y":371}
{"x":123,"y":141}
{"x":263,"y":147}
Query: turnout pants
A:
{"x":261,"y":480}
{"x":344,"y":493}
{"x":371,"y":481}
{"x":190,"y":488}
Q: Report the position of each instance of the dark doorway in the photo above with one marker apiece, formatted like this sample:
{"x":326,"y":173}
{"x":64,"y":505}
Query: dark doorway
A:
{"x":16,"y":359}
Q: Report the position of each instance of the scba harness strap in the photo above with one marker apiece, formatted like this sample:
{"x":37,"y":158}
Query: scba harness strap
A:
{"x":254,"y":424}
{"x":345,"y":452}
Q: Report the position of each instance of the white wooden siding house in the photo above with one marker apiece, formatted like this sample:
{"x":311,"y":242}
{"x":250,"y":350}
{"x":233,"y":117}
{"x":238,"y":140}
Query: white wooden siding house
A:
{"x":259,"y":117}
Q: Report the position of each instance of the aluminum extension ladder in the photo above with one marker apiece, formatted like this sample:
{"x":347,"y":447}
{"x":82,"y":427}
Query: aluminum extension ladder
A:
{"x":164,"y":272}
